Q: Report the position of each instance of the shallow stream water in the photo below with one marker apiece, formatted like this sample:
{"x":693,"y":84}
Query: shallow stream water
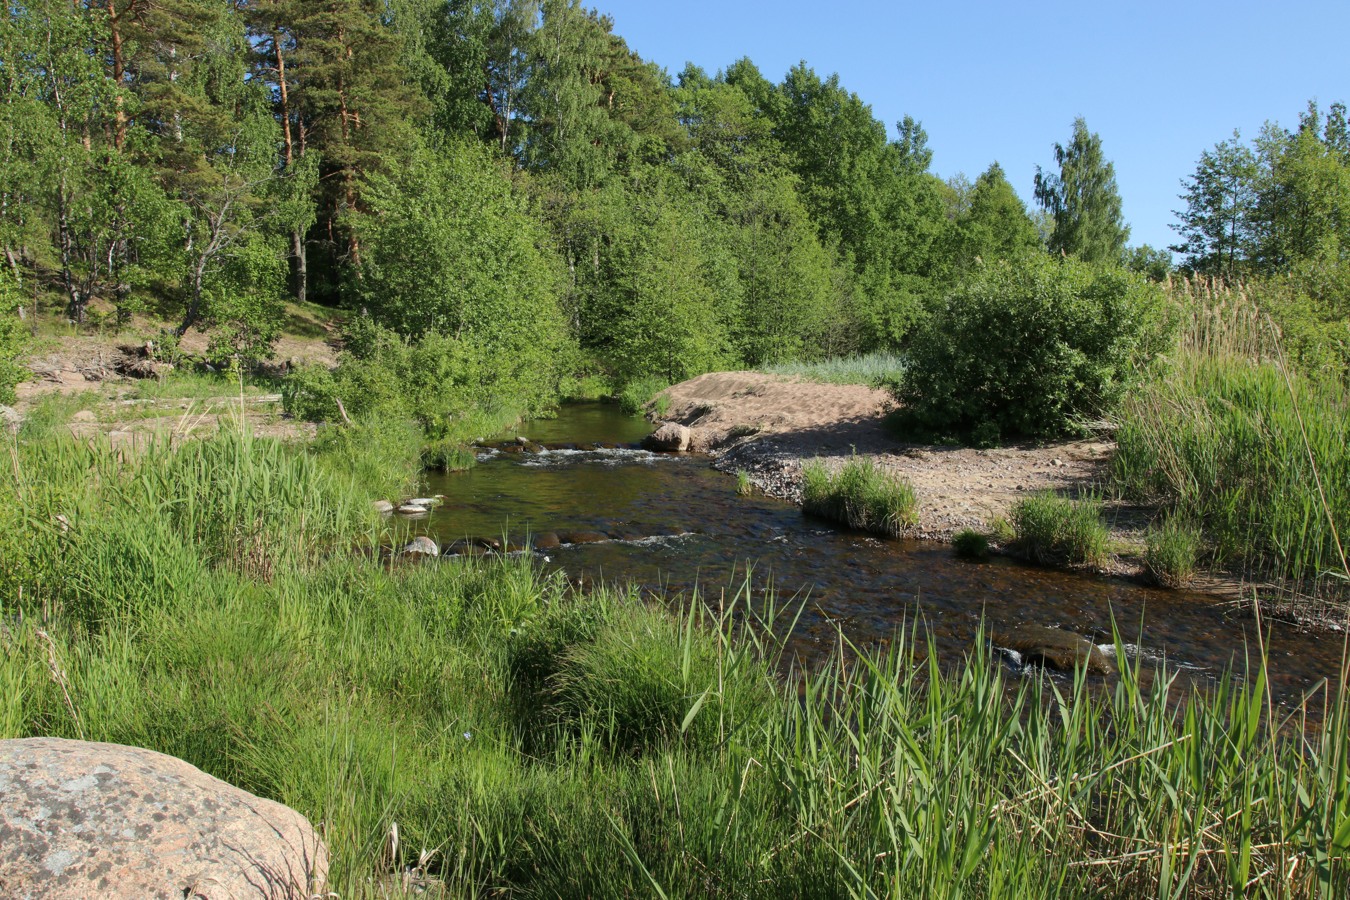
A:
{"x":675,"y":523}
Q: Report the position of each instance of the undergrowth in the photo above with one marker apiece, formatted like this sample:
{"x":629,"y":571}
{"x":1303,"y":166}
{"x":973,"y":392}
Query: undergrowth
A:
{"x":526,"y":739}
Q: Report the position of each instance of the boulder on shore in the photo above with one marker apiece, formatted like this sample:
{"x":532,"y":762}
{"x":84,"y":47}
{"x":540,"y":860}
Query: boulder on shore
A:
{"x":1056,"y":648}
{"x":670,"y":437}
{"x":81,"y":819}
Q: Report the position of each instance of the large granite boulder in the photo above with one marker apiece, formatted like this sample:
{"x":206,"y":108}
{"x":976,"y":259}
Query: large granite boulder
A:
{"x":670,"y":437}
{"x":82,"y":820}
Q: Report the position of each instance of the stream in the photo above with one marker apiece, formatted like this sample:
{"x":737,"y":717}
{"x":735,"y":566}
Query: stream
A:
{"x":674,"y":523}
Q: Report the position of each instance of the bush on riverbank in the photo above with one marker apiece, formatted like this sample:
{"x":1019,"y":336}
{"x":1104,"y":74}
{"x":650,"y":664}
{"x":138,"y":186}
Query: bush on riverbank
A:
{"x":1028,"y":348}
{"x":546,"y":742}
{"x":861,"y":494}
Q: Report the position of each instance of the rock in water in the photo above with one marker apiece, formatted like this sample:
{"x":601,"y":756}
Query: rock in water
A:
{"x":1055,"y":648}
{"x":383,"y":507}
{"x":671,"y":436}
{"x":421,"y":546}
{"x":81,"y":820}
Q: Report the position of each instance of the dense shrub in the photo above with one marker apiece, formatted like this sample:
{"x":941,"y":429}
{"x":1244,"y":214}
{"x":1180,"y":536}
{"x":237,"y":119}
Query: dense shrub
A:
{"x":452,"y":388}
{"x":1028,"y":348}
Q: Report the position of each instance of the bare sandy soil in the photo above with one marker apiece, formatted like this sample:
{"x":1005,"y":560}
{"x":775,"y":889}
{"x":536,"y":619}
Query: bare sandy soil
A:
{"x":768,"y":425}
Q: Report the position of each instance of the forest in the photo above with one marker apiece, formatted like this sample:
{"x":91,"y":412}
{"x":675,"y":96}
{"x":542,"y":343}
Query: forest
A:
{"x":510,"y":181}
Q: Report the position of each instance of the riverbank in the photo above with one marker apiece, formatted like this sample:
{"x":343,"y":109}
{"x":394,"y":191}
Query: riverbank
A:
{"x":474,"y":727}
{"x":769,"y":425}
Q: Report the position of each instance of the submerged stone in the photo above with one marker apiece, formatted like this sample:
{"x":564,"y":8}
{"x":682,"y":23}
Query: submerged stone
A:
{"x":1056,"y":648}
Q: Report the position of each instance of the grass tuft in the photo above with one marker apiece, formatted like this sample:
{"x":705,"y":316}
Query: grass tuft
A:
{"x":1051,"y":530}
{"x":1172,"y":553}
{"x":860,"y":494}
{"x":970,"y":544}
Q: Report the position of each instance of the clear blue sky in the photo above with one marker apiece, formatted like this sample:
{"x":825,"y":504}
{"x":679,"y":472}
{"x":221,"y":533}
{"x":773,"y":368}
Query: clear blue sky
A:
{"x":1160,"y":82}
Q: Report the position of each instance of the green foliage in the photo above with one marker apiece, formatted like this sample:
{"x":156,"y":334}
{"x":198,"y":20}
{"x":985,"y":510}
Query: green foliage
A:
{"x":1083,"y":199}
{"x":861,"y":494}
{"x":744,"y":486}
{"x":635,"y":396}
{"x":597,"y":746}
{"x":1029,"y":348}
{"x":970,"y":544}
{"x":1172,"y":551}
{"x":450,"y":249}
{"x":1274,"y":207}
{"x":452,"y":389}
{"x":1053,"y":530}
{"x":992,"y":225}
{"x":656,"y":290}
{"x":13,"y":341}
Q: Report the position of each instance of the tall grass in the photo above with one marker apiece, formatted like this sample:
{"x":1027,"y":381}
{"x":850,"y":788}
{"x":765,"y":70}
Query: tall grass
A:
{"x":636,"y":394}
{"x":1054,"y":529}
{"x":861,"y":494}
{"x":530,"y":740}
{"x":1226,"y":436}
{"x":874,"y":369}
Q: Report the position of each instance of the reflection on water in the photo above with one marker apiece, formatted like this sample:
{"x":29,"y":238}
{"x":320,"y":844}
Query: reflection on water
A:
{"x":676,"y":523}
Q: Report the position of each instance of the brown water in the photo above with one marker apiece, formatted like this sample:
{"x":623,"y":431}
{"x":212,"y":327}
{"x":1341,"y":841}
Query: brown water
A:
{"x":676,"y":523}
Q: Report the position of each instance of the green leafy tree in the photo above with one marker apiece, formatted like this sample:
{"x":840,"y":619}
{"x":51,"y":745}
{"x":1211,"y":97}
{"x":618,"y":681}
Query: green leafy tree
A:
{"x":1216,"y":227}
{"x":994,"y":224}
{"x":1083,"y":199}
{"x":452,"y":250}
{"x":871,"y":199}
{"x":1153,"y":264}
{"x":1302,"y":214}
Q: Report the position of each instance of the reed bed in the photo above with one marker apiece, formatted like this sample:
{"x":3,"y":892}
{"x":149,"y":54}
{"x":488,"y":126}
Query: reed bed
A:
{"x":1226,"y":435}
{"x":525,"y":739}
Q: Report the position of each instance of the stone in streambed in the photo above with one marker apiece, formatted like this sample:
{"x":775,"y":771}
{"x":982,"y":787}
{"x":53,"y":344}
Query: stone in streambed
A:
{"x":671,"y":437}
{"x":547,"y":541}
{"x":582,"y":537}
{"x":383,"y":507}
{"x":81,"y":819}
{"x":421,"y":546}
{"x":1055,"y":648}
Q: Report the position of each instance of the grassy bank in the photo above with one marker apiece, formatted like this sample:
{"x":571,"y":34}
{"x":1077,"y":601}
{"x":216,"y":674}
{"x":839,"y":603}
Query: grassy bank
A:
{"x":1228,"y":435}
{"x":873,"y":369}
{"x":211,"y":601}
